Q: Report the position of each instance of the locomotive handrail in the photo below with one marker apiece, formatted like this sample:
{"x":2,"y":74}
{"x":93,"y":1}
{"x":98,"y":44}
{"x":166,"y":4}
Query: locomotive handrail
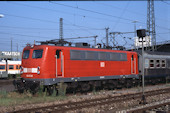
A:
{"x":56,"y":65}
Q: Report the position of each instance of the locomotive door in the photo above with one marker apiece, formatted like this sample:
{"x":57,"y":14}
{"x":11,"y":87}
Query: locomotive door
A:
{"x":133,"y":64}
{"x":59,"y":63}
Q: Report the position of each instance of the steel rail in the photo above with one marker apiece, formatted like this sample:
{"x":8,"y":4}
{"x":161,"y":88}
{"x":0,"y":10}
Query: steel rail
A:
{"x":149,"y":107}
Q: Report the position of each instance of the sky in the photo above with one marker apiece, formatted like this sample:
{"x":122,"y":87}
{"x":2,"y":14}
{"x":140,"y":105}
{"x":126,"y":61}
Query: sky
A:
{"x":26,"y":21}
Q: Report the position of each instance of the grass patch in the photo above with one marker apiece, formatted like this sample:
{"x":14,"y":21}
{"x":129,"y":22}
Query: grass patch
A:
{"x":14,"y":98}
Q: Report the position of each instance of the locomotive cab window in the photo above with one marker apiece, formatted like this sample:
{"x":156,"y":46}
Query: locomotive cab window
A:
{"x":11,"y":67}
{"x":26,"y":54}
{"x":58,"y":53}
{"x":163,"y":64}
{"x":37,"y":54}
{"x":2,"y":66}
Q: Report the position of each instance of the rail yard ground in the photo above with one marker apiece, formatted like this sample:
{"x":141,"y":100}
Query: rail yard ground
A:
{"x":12,"y":101}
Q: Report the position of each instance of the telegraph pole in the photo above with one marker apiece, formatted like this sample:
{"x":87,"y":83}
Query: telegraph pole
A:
{"x":17,"y":51}
{"x":11,"y":48}
{"x":135,"y":27}
{"x":107,"y":30}
{"x":95,"y":41}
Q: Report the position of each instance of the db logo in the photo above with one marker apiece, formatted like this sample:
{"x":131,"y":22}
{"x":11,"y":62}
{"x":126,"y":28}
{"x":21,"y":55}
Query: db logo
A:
{"x":102,"y":64}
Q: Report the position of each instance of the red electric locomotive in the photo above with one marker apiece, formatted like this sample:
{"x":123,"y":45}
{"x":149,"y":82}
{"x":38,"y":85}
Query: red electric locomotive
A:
{"x":78,"y":67}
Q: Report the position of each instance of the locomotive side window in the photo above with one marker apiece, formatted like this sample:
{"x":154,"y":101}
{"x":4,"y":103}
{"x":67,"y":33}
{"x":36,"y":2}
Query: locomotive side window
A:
{"x":11,"y":66}
{"x":123,"y":57}
{"x":94,"y":55}
{"x":163,"y":64}
{"x":90,"y":55}
{"x":77,"y":55}
{"x":2,"y":66}
{"x":58,"y":53}
{"x":157,"y":63}
{"x":114,"y":56}
{"x":118,"y":56}
{"x":26,"y":54}
{"x":103,"y":56}
{"x":151,"y":63}
{"x":37,"y":54}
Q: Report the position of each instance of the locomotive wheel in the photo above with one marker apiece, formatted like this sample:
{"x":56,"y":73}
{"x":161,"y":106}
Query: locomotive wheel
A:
{"x":111,"y":86}
{"x":128,"y":84}
{"x":20,"y":86}
{"x":85,"y":87}
{"x":50,"y":90}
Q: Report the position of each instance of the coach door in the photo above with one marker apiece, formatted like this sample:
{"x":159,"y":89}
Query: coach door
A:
{"x":133,"y":64}
{"x":59,"y":63}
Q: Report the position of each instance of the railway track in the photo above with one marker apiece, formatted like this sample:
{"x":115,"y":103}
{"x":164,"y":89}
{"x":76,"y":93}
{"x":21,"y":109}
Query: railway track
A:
{"x":92,"y":102}
{"x":150,"y":107}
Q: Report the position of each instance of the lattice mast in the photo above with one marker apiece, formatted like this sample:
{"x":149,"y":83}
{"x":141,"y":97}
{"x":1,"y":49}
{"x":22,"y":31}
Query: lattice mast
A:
{"x":151,"y":23}
{"x":61,"y":29}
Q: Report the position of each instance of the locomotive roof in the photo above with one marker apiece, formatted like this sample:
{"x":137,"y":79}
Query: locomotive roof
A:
{"x":77,"y":48}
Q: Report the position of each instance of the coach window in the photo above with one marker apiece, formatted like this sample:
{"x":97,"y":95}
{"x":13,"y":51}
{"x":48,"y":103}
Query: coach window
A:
{"x":2,"y":66}
{"x":17,"y":66}
{"x":11,"y":66}
{"x":26,"y":54}
{"x":163,"y":64}
{"x":157,"y":63}
{"x":146,"y":63}
{"x":151,"y":63}
{"x":58,"y":53}
{"x":37,"y":54}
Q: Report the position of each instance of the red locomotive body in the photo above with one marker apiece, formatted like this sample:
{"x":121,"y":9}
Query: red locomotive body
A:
{"x":53,"y":64}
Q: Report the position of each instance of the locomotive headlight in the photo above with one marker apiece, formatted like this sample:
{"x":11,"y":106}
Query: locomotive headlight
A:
{"x":38,"y":70}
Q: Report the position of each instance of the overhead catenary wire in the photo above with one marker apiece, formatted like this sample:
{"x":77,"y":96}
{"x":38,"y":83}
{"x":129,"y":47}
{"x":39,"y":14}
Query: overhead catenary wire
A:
{"x":53,"y":29}
{"x":64,"y":12}
{"x":124,"y":10}
{"x":42,"y":20}
{"x":103,"y":14}
{"x":134,"y":12}
{"x":87,"y":10}
{"x":84,"y":10}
